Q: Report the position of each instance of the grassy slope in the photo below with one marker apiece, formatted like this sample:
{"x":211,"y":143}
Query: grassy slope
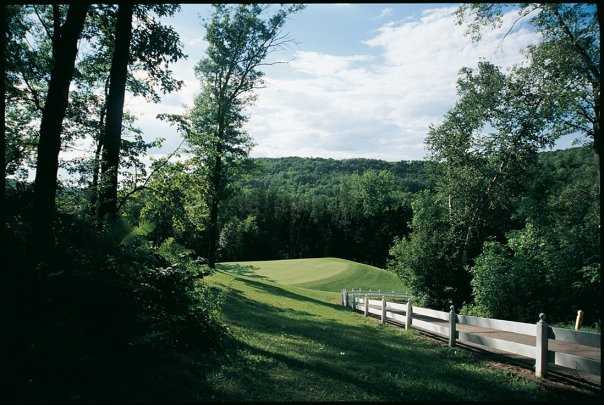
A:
{"x":293,"y":343}
{"x":325,"y":274}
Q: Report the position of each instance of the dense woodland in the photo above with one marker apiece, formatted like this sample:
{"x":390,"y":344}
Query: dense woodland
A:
{"x":111,"y":253}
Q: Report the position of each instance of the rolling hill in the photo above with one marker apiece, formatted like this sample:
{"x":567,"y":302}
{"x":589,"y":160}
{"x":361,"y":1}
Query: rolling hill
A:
{"x":323,"y":274}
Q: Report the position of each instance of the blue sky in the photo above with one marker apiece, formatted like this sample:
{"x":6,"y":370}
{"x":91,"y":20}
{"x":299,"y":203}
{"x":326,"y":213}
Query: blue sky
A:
{"x":364,"y":80}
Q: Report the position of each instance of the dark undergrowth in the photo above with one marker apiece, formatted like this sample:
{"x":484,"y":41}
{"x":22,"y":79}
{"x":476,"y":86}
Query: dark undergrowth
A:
{"x":112,"y":316}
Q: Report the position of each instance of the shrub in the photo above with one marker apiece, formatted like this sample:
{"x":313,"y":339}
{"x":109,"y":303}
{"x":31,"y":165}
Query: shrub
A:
{"x":532,"y":273}
{"x":427,"y":261}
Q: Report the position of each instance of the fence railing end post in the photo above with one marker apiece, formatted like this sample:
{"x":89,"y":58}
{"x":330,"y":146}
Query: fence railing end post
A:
{"x":541,"y":348}
{"x":452,"y":326}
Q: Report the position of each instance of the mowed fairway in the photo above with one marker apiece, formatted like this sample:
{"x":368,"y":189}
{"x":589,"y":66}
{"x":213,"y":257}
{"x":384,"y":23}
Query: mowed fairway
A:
{"x":295,"y":343}
{"x":324,"y":274}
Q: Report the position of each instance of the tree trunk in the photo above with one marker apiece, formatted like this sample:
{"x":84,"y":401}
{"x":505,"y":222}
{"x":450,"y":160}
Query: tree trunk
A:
{"x":53,"y":113}
{"x":96,"y":166}
{"x":3,"y":42}
{"x":213,"y":232}
{"x":596,"y":128}
{"x":115,"y":111}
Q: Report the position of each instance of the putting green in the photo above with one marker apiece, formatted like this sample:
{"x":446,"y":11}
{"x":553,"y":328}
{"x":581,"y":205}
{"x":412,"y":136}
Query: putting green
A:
{"x":324,"y":274}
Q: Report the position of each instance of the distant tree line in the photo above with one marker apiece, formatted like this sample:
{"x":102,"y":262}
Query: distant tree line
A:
{"x":292,"y":208}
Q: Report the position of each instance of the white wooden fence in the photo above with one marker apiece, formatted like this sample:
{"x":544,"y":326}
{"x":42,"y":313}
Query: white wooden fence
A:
{"x":538,"y":341}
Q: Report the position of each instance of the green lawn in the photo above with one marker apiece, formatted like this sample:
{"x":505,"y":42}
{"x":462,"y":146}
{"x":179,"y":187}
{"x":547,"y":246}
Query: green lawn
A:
{"x":294,"y":343}
{"x":324,"y":274}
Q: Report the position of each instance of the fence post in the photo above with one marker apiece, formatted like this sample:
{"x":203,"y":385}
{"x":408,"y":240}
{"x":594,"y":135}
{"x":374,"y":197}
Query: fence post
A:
{"x":541,"y":347}
{"x":579,"y":320}
{"x":452,"y":328}
{"x":366,"y":305}
{"x":408,"y":315}
{"x":383,"y":310}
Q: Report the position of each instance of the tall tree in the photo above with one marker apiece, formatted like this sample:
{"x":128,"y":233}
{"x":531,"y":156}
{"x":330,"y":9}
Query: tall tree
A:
{"x":567,"y":59}
{"x":115,"y":110}
{"x":239,"y":40}
{"x":64,"y":55}
{"x":3,"y":43}
{"x":484,"y":148}
{"x":140,"y":44}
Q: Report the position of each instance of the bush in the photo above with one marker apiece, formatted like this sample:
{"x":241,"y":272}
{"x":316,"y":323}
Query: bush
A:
{"x":178,"y":307}
{"x":507,"y":284}
{"x":427,"y":261}
{"x":533,"y":273}
{"x":115,"y":310}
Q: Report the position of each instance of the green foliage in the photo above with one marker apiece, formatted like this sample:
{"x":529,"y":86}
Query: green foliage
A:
{"x":110,"y":298}
{"x":427,"y":260}
{"x":563,"y":70}
{"x":173,"y":203}
{"x":510,"y":283}
{"x":236,"y":238}
{"x":320,"y":207}
{"x":179,"y":309}
{"x":557,"y":250}
{"x":316,"y":176}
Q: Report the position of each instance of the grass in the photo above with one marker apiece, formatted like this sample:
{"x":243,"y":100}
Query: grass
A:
{"x":283,"y":343}
{"x":295,"y":343}
{"x":595,"y":328}
{"x":324,"y":274}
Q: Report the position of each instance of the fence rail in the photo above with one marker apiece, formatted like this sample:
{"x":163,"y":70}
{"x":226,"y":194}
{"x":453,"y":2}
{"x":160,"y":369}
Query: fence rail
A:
{"x":546,"y":344}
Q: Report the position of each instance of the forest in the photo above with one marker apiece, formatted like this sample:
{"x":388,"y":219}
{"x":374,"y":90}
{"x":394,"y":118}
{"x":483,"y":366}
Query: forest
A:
{"x":109,"y":253}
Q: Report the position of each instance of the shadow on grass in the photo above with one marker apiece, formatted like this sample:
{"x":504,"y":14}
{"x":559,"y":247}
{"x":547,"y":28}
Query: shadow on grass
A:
{"x":281,"y":292}
{"x":239,"y":270}
{"x":309,"y":357}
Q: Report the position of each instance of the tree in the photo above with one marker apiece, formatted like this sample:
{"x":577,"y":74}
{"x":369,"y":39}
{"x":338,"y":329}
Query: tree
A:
{"x":152,"y":47}
{"x":4,"y":41}
{"x":426,"y":259}
{"x":483,"y":149}
{"x":115,"y":110}
{"x":239,"y":40}
{"x":552,"y":263}
{"x":140,"y":44}
{"x":567,"y":60}
{"x":64,"y":54}
{"x":173,"y":205}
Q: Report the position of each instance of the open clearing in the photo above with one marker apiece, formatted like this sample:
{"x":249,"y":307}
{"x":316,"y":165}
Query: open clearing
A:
{"x":295,"y":343}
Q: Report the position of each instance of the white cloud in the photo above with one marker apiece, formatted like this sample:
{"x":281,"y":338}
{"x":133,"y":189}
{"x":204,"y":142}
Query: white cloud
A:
{"x":361,"y":106}
{"x":386,"y":12}
{"x":358,"y":105}
{"x":315,"y":63}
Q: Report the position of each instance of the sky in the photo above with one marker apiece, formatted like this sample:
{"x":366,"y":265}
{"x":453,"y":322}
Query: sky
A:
{"x":361,"y":80}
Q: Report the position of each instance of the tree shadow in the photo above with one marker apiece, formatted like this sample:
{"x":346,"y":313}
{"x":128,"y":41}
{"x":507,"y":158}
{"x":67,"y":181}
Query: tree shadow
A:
{"x":281,"y":292}
{"x":367,"y":361}
{"x":238,"y":270}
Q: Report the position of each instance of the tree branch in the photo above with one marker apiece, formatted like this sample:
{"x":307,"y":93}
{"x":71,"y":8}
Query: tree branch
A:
{"x":34,"y":93}
{"x":46,"y":28}
{"x":591,"y":68}
{"x":144,"y":185}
